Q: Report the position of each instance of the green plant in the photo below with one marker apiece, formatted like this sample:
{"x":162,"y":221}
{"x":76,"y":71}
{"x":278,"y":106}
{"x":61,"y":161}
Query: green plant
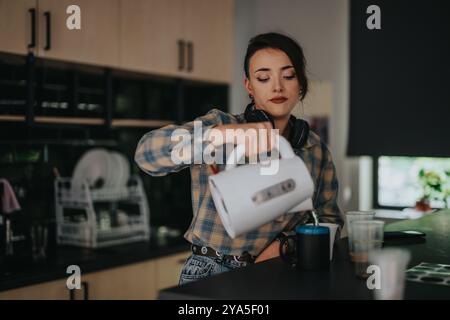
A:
{"x":434,"y":186}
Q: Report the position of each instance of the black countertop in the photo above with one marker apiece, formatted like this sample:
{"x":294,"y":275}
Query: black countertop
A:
{"x":273,"y":279}
{"x":15,"y":274}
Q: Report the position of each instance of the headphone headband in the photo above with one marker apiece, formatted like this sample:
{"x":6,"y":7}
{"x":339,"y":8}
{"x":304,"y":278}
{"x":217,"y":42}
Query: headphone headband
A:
{"x":299,"y":128}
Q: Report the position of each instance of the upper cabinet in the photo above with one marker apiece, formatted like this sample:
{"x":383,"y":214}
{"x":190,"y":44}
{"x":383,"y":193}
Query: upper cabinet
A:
{"x":151,"y":35}
{"x":208,"y":27}
{"x":184,"y":38}
{"x":18,"y":22}
{"x":190,"y":39}
{"x":97,"y":42}
{"x":40,"y":26}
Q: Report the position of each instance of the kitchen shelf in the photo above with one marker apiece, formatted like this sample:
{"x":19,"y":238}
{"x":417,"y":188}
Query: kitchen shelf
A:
{"x":55,"y":86}
{"x":19,"y":83}
{"x":140,"y":123}
{"x":137,"y":123}
{"x":63,"y":142}
{"x":87,"y":90}
{"x":12,"y":118}
{"x":10,"y":103}
{"x":69,"y":120}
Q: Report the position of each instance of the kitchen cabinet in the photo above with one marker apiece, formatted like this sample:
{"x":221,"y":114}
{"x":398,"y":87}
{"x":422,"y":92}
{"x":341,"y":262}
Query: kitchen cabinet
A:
{"x":52,"y":290}
{"x":16,"y":26}
{"x":140,"y":280}
{"x":150,"y":31}
{"x":137,"y":97}
{"x":201,"y":97}
{"x":137,"y":281}
{"x":97,"y":42}
{"x":177,"y":49}
{"x":134,"y":281}
{"x":209,"y":34}
{"x":168,"y":269}
{"x":188,"y":39}
{"x":13,"y":84}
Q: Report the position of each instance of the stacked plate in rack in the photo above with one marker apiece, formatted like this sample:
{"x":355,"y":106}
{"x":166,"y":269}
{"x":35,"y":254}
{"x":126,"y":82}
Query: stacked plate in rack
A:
{"x":101,"y":169}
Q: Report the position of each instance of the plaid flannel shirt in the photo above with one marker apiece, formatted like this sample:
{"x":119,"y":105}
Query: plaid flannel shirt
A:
{"x":153,"y":156}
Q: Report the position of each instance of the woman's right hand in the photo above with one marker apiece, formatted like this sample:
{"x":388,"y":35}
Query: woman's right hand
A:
{"x":258,"y":137}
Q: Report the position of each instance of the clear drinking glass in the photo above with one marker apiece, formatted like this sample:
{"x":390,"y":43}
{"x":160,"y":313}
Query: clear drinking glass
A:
{"x":39,"y":235}
{"x":392,"y":263}
{"x":355,"y":216}
{"x":367,"y":236}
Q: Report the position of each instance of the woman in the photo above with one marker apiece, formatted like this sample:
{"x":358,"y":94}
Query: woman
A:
{"x":275,"y":80}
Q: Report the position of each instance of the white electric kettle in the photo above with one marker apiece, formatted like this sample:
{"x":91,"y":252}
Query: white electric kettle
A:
{"x":249,"y":196}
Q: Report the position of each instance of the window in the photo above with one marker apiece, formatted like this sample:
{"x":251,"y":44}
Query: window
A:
{"x":398,"y":184}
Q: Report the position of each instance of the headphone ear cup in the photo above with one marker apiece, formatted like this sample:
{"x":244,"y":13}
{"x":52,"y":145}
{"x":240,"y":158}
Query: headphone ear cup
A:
{"x":299,"y":134}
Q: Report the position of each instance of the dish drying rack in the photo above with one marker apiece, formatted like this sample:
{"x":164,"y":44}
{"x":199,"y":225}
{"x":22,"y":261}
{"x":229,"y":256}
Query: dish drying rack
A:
{"x":86,"y":232}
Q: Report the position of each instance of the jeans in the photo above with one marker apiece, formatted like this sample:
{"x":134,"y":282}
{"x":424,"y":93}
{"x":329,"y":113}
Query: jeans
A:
{"x":199,"y":267}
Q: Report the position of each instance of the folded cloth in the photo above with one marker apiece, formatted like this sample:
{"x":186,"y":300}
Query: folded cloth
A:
{"x":9,"y":200}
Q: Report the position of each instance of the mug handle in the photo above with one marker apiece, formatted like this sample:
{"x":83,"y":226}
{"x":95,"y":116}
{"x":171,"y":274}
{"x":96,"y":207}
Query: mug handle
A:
{"x":289,"y":258}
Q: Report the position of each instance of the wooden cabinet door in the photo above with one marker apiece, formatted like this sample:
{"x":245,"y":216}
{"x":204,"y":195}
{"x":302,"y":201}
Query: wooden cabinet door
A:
{"x":135,"y":281}
{"x":53,"y":290}
{"x":168,"y":270}
{"x":140,"y":280}
{"x":16,"y":25}
{"x":209,"y":27}
{"x":97,"y":42}
{"x":149,"y":35}
{"x":151,"y":31}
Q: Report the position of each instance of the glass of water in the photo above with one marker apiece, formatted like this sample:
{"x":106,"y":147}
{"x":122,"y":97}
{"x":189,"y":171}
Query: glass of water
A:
{"x":367,"y":236}
{"x":392,"y":263}
{"x":352,"y":216}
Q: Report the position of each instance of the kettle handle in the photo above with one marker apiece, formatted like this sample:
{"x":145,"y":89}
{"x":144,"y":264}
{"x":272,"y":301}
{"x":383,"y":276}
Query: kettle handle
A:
{"x":238,"y":152}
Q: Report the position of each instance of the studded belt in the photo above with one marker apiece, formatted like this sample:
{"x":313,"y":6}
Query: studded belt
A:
{"x":210,"y":252}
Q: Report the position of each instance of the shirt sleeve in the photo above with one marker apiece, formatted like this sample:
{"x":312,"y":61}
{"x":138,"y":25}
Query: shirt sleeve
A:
{"x":325,"y":202}
{"x":175,"y":147}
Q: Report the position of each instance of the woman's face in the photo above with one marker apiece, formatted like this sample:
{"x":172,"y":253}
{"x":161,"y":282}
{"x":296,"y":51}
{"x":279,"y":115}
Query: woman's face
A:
{"x":272,"y":82}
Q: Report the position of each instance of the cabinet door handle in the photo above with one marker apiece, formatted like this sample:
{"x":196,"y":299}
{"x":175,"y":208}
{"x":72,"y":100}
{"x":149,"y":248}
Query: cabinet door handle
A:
{"x":181,"y":45}
{"x":48,"y":35}
{"x":72,"y":294}
{"x":85,"y":286}
{"x":190,"y":49}
{"x":32,"y":43}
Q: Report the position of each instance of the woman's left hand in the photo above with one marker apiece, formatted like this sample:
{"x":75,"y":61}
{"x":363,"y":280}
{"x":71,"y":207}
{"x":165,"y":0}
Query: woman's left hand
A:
{"x":270,"y":252}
